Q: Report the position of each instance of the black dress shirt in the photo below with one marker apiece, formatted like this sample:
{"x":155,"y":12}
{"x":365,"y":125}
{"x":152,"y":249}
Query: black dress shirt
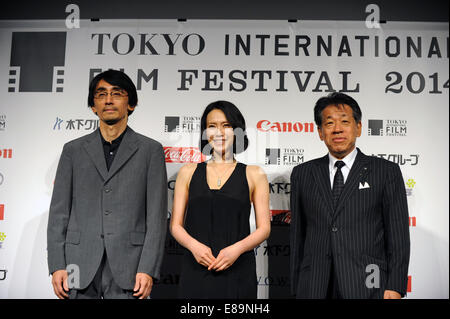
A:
{"x":110,"y":149}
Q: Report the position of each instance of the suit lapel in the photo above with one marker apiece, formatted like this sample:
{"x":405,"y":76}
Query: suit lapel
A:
{"x":94,"y":148}
{"x":360,"y":169}
{"x":127,"y":148}
{"x":322,"y":177}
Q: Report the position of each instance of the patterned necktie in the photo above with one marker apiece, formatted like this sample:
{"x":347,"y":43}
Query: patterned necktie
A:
{"x":338,"y":182}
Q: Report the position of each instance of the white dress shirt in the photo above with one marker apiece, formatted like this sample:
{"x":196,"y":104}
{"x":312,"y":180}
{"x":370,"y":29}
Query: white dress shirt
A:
{"x":348,"y":161}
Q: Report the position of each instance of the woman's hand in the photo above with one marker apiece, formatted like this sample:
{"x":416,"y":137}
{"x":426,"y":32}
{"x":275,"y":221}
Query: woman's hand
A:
{"x":226,"y":258}
{"x":202,"y":254}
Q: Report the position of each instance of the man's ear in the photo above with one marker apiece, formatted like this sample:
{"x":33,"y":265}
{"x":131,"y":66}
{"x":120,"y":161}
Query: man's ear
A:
{"x":131,"y":108}
{"x":94,"y":110}
{"x":320,"y":133}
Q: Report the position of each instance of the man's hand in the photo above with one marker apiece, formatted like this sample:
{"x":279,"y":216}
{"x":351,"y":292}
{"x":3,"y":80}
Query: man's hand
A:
{"x":59,"y":282}
{"x":390,"y":294}
{"x":143,"y":286}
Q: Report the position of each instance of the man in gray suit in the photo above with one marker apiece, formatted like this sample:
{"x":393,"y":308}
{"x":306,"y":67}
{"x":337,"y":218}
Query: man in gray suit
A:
{"x":108,"y":212}
{"x":349,"y":222}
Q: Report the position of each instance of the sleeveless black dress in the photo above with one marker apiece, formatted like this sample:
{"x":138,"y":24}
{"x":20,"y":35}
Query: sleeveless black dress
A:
{"x":218,"y":218}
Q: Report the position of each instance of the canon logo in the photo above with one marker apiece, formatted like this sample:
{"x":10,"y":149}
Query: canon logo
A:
{"x":267,"y":126}
{"x":183,"y":155}
{"x":6,"y":153}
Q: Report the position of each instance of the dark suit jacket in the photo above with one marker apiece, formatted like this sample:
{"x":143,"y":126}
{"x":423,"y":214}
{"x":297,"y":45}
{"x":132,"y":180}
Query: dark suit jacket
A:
{"x":369,"y":227}
{"x":123,"y":210}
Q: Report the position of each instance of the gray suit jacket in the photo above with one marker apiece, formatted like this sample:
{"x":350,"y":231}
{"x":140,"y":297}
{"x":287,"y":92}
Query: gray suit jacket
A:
{"x":370,"y":226}
{"x":123,"y":210}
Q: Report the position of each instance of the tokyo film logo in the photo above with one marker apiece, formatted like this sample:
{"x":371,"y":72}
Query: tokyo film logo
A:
{"x":387,"y":128}
{"x":284,"y":156}
{"x":182,"y":124}
{"x":376,"y":128}
{"x":273,"y":156}
{"x":37,"y":62}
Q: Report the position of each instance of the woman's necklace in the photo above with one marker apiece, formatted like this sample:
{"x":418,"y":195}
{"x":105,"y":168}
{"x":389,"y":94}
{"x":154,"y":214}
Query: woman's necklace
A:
{"x":219,"y":177}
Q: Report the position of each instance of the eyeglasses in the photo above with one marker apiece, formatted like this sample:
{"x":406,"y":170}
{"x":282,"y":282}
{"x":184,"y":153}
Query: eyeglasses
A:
{"x":101,"y":95}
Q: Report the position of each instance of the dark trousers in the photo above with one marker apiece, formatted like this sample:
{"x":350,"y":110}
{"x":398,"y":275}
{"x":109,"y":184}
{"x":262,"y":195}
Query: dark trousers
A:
{"x":102,"y":286}
{"x":333,"y":287}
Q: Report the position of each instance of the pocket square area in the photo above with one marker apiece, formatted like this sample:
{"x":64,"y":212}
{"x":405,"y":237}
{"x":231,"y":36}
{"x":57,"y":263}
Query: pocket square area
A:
{"x":364,"y":185}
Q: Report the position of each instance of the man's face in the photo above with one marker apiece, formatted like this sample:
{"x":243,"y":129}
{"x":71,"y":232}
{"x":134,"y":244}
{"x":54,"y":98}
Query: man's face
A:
{"x":339,"y":130}
{"x":110,"y":103}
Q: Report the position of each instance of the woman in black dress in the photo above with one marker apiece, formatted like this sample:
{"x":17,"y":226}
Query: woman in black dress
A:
{"x":211,"y":211}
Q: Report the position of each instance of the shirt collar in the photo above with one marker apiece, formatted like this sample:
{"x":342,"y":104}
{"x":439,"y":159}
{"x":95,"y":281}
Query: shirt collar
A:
{"x":116,"y":141}
{"x":348,"y":160}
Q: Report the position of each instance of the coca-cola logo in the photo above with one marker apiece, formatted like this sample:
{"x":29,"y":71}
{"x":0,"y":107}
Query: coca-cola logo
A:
{"x":183,"y":155}
{"x":281,"y":216}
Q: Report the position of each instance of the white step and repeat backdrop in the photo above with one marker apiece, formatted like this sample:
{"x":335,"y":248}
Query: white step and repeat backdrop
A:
{"x":274,"y":71}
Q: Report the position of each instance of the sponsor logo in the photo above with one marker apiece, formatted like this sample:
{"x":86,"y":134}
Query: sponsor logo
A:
{"x":183,"y":155}
{"x":2,"y":239}
{"x":6,"y":153}
{"x":171,"y":184}
{"x":279,"y":188}
{"x":409,"y":287}
{"x":76,"y":124}
{"x":182,"y":124}
{"x":400,"y":159}
{"x":284,"y":156}
{"x":172,"y":247}
{"x":273,"y":281}
{"x":2,"y":211}
{"x":37,"y":62}
{"x":410,"y":183}
{"x":2,"y":122}
{"x":387,"y":127}
{"x":297,"y":127}
{"x":273,"y":250}
{"x":3,"y":274}
{"x":281,"y":216}
{"x":167,"y":279}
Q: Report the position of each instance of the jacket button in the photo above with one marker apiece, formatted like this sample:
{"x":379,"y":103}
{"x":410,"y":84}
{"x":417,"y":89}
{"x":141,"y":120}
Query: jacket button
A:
{"x":107,"y":190}
{"x":102,"y":236}
{"x":334,"y":229}
{"x":107,"y":212}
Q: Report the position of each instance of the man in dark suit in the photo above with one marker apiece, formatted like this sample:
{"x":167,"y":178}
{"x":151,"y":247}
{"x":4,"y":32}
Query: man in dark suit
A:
{"x":349,"y":227}
{"x":108,"y":212}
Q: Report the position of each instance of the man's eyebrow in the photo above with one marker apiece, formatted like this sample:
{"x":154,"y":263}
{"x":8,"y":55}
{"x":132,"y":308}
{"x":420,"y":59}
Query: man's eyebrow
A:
{"x":114,"y":88}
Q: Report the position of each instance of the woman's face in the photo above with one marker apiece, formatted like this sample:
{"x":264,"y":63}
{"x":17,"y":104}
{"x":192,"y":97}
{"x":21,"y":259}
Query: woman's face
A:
{"x":219,"y":132}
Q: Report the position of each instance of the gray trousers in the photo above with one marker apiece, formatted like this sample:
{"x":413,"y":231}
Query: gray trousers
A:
{"x":102,"y":286}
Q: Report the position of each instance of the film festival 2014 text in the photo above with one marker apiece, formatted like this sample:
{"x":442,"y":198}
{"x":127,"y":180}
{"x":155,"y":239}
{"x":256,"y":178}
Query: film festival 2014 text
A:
{"x":366,"y":48}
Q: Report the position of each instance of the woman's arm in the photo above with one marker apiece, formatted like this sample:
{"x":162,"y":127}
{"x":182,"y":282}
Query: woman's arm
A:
{"x":202,"y":253}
